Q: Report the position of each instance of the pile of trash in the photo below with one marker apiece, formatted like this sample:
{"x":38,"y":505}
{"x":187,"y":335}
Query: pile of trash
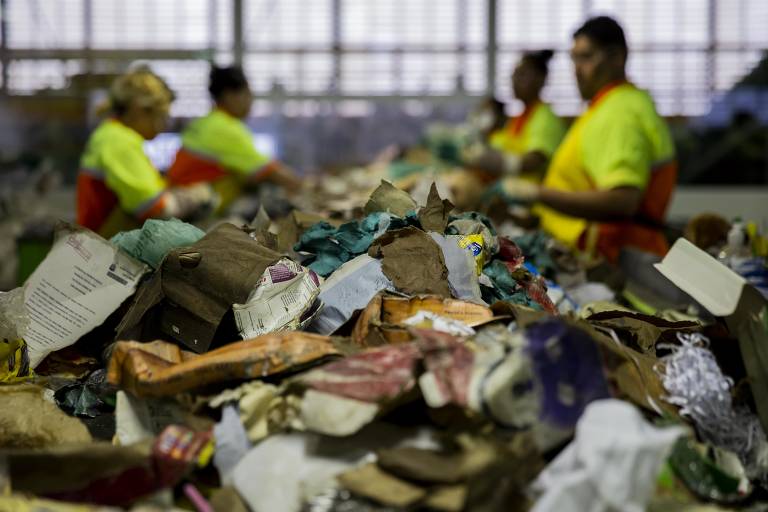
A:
{"x":407,"y":358}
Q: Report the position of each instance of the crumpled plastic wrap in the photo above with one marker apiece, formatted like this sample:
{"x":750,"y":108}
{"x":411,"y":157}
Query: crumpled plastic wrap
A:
{"x":13,"y":314}
{"x":14,"y":355}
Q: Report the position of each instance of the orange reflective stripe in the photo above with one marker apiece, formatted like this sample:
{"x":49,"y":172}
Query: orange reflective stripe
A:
{"x":518,"y":123}
{"x":615,"y":235}
{"x":190,"y":167}
{"x":156,"y":209}
{"x":645,"y":232}
{"x":95,"y":201}
{"x":659,"y":192}
{"x":602,"y":93}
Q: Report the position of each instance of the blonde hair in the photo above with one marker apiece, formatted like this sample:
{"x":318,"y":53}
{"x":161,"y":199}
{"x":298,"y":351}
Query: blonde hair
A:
{"x":140,"y":86}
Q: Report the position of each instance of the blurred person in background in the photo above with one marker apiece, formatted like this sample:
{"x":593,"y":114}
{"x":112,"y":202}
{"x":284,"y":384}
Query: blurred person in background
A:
{"x":219,"y":148}
{"x":523,"y":145}
{"x":610,"y":181}
{"x":487,"y":119}
{"x":117,"y":185}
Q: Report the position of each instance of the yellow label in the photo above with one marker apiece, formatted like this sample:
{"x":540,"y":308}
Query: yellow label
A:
{"x":475,"y":245}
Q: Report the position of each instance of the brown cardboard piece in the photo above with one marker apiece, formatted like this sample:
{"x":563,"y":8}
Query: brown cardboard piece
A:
{"x":434,"y":216}
{"x":163,"y":369}
{"x":388,"y":198}
{"x":631,"y":374}
{"x":372,"y":482}
{"x":642,"y":331}
{"x":66,"y":468}
{"x":195,"y":287}
{"x":413,"y":261}
{"x":381,"y":322}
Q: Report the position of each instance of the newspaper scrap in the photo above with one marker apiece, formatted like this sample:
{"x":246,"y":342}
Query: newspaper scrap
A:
{"x":80,"y":283}
{"x":284,"y":299}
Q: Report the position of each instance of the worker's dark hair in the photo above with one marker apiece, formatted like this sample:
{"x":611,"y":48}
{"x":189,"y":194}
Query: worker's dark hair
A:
{"x":229,"y":78}
{"x":605,"y":31}
{"x":539,"y":60}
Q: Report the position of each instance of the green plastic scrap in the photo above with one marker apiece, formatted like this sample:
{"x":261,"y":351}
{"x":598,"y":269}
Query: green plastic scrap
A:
{"x":505,"y":287}
{"x":400,"y":169}
{"x":535,"y":246}
{"x":702,"y":476}
{"x":156,"y":238}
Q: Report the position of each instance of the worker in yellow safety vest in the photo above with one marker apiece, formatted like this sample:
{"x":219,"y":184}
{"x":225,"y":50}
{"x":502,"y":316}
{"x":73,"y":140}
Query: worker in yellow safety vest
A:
{"x":611,"y":179}
{"x":117,"y":185}
{"x":525,"y":144}
{"x":219,"y":148}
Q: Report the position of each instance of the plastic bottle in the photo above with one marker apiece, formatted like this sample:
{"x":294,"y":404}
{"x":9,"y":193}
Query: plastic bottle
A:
{"x":736,"y":249}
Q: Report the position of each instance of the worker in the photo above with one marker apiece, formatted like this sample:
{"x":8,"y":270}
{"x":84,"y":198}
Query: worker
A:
{"x":117,"y":185}
{"x":611,"y":179}
{"x":219,"y":148}
{"x":525,"y":143}
{"x":488,"y":118}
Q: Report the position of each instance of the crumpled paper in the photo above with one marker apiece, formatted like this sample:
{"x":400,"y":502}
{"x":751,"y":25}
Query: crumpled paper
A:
{"x":188,"y":296}
{"x":462,"y":277}
{"x":695,"y":383}
{"x":434,"y":216}
{"x":281,"y":301}
{"x":264,"y":409}
{"x":28,"y":420}
{"x":349,"y":289}
{"x":612,"y":464}
{"x":14,"y":355}
{"x":388,"y":198}
{"x":413,"y":262}
{"x":163,"y":369}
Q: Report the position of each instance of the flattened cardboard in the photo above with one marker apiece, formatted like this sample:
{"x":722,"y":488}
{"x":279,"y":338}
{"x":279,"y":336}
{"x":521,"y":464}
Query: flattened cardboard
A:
{"x":163,"y":369}
{"x":383,"y":320}
{"x":196,"y":286}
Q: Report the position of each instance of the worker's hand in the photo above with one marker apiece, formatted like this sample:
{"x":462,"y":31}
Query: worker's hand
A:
{"x":197,"y":201}
{"x":519,"y":191}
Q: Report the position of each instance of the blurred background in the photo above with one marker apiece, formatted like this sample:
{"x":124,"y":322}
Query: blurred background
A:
{"x":338,"y":80}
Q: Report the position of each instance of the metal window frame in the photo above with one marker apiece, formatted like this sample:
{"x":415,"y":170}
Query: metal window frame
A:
{"x":492,"y":49}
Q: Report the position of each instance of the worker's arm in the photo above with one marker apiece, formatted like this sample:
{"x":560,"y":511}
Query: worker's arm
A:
{"x":141,"y":190}
{"x":285,"y":177}
{"x":534,"y":162}
{"x":597,"y":205}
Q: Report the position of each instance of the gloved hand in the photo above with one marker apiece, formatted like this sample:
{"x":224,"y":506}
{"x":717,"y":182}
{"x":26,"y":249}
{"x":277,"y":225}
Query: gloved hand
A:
{"x":512,"y":164}
{"x":519,"y":191}
{"x":195,"y":201}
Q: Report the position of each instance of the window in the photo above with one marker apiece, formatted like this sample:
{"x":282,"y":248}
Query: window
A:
{"x":684,"y":51}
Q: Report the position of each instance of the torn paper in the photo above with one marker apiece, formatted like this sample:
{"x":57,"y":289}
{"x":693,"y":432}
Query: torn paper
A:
{"x":79,"y":284}
{"x":349,"y":289}
{"x":284,"y":294}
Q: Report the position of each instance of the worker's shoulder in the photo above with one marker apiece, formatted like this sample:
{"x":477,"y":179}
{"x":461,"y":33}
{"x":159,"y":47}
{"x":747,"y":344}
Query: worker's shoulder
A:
{"x":545,"y":109}
{"x":214,"y":131}
{"x":113,"y":134}
{"x":629,"y":99}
